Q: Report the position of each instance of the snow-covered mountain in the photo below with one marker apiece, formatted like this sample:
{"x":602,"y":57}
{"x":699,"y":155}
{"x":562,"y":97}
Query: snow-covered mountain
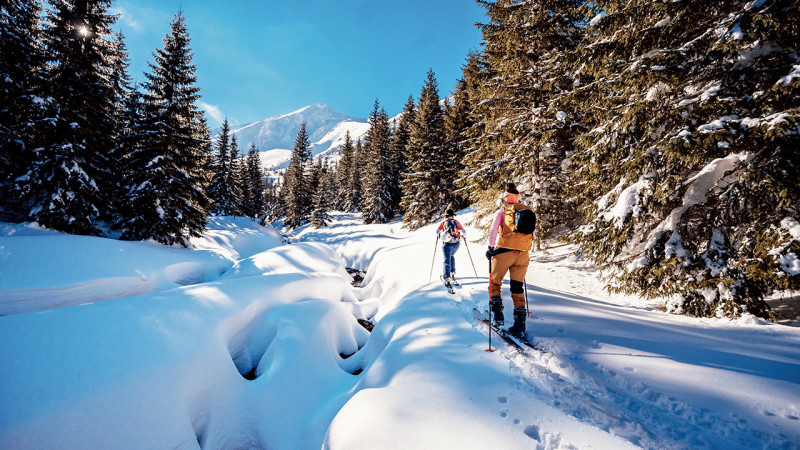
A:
{"x":275,"y":136}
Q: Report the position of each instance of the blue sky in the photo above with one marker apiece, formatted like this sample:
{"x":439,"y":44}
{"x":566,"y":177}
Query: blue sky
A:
{"x":257,"y":59}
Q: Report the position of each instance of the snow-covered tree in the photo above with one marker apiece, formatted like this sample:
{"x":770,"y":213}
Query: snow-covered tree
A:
{"x":400,"y":138}
{"x":167,"y":192}
{"x":70,"y":183}
{"x":322,"y":193}
{"x":425,"y":188}
{"x":687,"y":171}
{"x":343,"y":193}
{"x":237,"y":173}
{"x":21,"y":64}
{"x":377,"y":203}
{"x":253,"y":186}
{"x":295,"y":189}
{"x":521,"y":132}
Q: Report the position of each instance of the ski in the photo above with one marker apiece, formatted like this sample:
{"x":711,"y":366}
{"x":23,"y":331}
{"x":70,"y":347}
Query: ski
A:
{"x":448,"y":285}
{"x":507,"y":337}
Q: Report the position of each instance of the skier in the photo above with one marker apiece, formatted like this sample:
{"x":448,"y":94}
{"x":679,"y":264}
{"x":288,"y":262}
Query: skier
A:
{"x":450,"y":231}
{"x":510,"y":240}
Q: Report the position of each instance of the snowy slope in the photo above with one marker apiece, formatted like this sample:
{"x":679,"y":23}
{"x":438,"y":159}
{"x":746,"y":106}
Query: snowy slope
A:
{"x":268,"y":353}
{"x":275,"y":136}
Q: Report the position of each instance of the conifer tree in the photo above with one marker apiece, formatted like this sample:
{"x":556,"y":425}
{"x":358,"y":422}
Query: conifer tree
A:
{"x":343,"y":169}
{"x":21,"y":64}
{"x":254,"y":184}
{"x":167,"y":194}
{"x":296,"y":195}
{"x":322,"y":194}
{"x":220,"y":190}
{"x":127,"y":108}
{"x":521,"y":130}
{"x":425,"y":190}
{"x":237,"y":178}
{"x":458,"y":121}
{"x":687,"y":171}
{"x":70,"y":182}
{"x":356,"y":178}
{"x":400,"y":138}
{"x":377,"y":202}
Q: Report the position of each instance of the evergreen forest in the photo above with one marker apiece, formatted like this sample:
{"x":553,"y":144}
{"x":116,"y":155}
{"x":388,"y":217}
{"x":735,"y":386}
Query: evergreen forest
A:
{"x":660,"y":138}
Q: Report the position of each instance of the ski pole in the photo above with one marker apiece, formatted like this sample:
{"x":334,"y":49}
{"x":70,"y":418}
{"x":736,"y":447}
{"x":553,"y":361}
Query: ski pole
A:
{"x":527,"y":310}
{"x":470,"y":259}
{"x":430,"y":275}
{"x":491,"y":317}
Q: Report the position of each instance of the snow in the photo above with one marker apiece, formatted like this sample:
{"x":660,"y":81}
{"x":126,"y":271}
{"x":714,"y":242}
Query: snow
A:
{"x":275,"y":135}
{"x":597,"y":19}
{"x":628,"y":203}
{"x":787,"y":79}
{"x":713,"y":175}
{"x":246,"y":352}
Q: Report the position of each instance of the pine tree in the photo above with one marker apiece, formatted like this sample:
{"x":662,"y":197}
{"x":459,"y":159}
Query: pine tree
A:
{"x":357,"y":178}
{"x":70,"y":182}
{"x":425,"y":190}
{"x":687,"y":173}
{"x":295,"y":182}
{"x":321,"y":201}
{"x":21,"y":64}
{"x":458,"y":121}
{"x":220,"y":190}
{"x":127,"y":108}
{"x":254,"y":184}
{"x":237,"y":178}
{"x":377,"y":202}
{"x":400,"y":138}
{"x":521,"y":130}
{"x":343,"y":169}
{"x":167,"y":192}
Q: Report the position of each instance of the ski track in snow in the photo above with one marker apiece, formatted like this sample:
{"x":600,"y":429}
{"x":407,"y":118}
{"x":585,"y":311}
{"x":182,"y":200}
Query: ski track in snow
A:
{"x":595,"y":346}
{"x":603,"y":398}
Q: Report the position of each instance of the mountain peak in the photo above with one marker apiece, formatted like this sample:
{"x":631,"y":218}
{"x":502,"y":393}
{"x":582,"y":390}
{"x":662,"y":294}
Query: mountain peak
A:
{"x":275,"y":135}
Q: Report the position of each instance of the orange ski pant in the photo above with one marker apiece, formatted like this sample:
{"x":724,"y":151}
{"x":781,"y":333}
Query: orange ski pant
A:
{"x":516,"y":262}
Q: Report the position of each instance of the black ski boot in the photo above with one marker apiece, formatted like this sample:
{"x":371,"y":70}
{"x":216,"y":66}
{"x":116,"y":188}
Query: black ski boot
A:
{"x":496,"y":308}
{"x":518,"y":329}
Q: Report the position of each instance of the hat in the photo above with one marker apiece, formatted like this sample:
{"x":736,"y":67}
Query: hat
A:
{"x":511,"y":195}
{"x":449,"y":213}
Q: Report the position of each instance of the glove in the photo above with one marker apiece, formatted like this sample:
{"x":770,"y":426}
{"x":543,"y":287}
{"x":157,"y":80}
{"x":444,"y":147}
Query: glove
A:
{"x":490,"y":253}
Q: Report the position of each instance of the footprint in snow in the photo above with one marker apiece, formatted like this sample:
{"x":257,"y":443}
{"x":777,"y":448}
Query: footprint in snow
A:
{"x":532,"y":431}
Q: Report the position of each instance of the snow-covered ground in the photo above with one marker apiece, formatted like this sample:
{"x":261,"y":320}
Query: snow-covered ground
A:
{"x":245,"y":342}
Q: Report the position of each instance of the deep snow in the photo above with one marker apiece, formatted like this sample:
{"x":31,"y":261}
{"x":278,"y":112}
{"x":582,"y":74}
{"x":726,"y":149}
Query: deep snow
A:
{"x":245,"y":342}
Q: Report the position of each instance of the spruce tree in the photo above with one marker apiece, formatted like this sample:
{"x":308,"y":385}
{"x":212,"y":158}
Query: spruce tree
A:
{"x":321,"y":198}
{"x":458,"y":120}
{"x":344,"y":196}
{"x":357,"y":178}
{"x":167,"y":193}
{"x":295,"y":190}
{"x":237,"y":171}
{"x":521,"y":131}
{"x":377,"y":202}
{"x":426,"y":191}
{"x":220,"y":190}
{"x":400,"y":138}
{"x":70,"y":183}
{"x":253,"y":183}
{"x":21,"y":83}
{"x":687,"y":169}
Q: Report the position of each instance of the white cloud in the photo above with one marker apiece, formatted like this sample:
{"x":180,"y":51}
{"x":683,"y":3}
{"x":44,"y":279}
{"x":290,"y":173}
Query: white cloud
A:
{"x":213,"y":112}
{"x":126,"y":18}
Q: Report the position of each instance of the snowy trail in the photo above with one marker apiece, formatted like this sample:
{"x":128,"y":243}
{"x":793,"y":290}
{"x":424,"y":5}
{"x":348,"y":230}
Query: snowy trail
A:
{"x":269,"y":353}
{"x":655,"y":380}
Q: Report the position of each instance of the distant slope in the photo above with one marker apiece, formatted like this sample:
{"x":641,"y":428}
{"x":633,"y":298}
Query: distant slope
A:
{"x":275,"y":136}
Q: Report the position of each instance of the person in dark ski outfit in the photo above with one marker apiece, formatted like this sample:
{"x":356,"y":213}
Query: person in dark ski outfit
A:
{"x":508,"y":252}
{"x":450,"y":231}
